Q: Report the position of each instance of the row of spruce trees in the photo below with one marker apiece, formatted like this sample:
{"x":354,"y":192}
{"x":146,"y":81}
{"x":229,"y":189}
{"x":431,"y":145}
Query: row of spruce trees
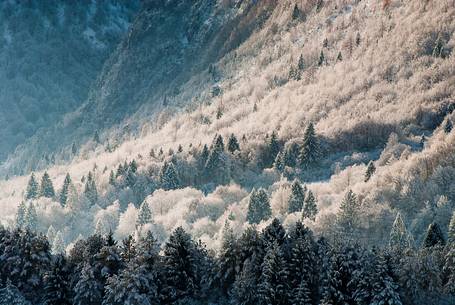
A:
{"x":273,"y":266}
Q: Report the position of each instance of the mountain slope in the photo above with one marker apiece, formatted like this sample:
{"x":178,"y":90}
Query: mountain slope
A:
{"x":50,"y":54}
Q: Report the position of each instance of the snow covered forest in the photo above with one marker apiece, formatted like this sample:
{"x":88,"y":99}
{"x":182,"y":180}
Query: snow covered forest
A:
{"x":245,"y":152}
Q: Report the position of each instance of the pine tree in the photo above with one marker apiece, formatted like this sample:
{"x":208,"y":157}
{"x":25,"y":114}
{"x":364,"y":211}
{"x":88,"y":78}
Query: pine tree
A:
{"x":133,"y":166}
{"x":10,"y":295}
{"x":348,"y":217}
{"x":21,"y":215}
{"x":357,"y":39}
{"x":291,"y":155}
{"x":145,"y":215}
{"x":31,"y":218}
{"x":310,"y":209}
{"x":296,"y":14}
{"x":233,"y":144}
{"x":88,"y":290}
{"x":449,"y":271}
{"x":258,"y":207}
{"x":301,"y":63}
{"x":65,"y":189}
{"x":203,"y":157}
{"x":371,"y":169}
{"x":273,"y":148}
{"x":273,"y":283}
{"x":32,"y":188}
{"x":321,"y":60}
{"x":169,"y":179}
{"x":74,"y":149}
{"x":57,"y":283}
{"x":90,"y":189}
{"x":438,"y":47}
{"x":297,"y":198}
{"x":228,"y":260}
{"x":310,"y":151}
{"x":50,"y":235}
{"x":400,"y":239}
{"x":384,"y":287}
{"x":112,"y":179}
{"x":57,"y":244}
{"x":279,"y":162}
{"x":434,"y":236}
{"x":451,"y":232}
{"x":448,"y":126}
{"x":216,"y":167}
{"x":339,"y":57}
{"x":46,"y":188}
{"x":274,"y":233}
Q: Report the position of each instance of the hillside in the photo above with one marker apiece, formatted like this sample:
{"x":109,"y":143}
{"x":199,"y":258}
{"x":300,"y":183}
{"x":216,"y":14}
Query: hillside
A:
{"x":50,"y":54}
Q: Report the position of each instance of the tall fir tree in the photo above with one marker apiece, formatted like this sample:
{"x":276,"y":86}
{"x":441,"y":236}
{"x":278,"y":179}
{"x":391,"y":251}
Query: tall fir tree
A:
{"x":449,"y":270}
{"x":297,"y":197}
{"x":434,"y":236}
{"x":217,"y":163}
{"x":448,"y":126}
{"x":371,"y":169}
{"x":273,"y":148}
{"x":47,"y":188}
{"x":451,"y":232}
{"x":90,"y":190}
{"x":400,"y":239}
{"x":58,"y":246}
{"x":310,"y":208}
{"x":112,"y":179}
{"x":32,"y":191}
{"x":301,"y":63}
{"x":63,"y":198}
{"x":169,"y":179}
{"x":10,"y":295}
{"x":21,"y":215}
{"x":233,"y":144}
{"x":385,"y":290}
{"x":228,"y":265}
{"x":57,"y":283}
{"x":258,"y":207}
{"x":31,"y":218}
{"x":310,"y":151}
{"x":145,"y":215}
{"x":348,"y":216}
{"x":278,"y":164}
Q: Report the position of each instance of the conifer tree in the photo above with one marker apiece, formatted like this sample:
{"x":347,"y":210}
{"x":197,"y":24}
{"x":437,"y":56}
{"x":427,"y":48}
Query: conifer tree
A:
{"x":310,"y":209}
{"x":21,"y":215}
{"x":321,"y":60}
{"x":112,"y":178}
{"x":400,"y":239}
{"x":339,"y":57}
{"x":90,"y":189}
{"x":434,"y":236}
{"x":32,"y":188}
{"x":65,"y":190}
{"x":297,"y":197}
{"x":301,"y":63}
{"x":203,"y":157}
{"x":448,"y":126}
{"x":57,"y":283}
{"x":31,"y":218}
{"x":145,"y":215}
{"x":228,"y":260}
{"x":73,"y":149}
{"x":58,"y":246}
{"x":279,"y":162}
{"x":348,"y":216}
{"x":291,"y":155}
{"x":169,"y":179}
{"x":217,"y":166}
{"x":233,"y":144}
{"x":273,"y":283}
{"x":310,"y":151}
{"x":133,"y":166}
{"x":371,"y":169}
{"x":51,"y":234}
{"x":88,"y":290}
{"x":10,"y":295}
{"x":385,"y":290}
{"x":274,"y":232}
{"x":449,"y":270}
{"x":296,"y":14}
{"x":273,"y":147}
{"x":46,"y":188}
{"x":451,"y":232}
{"x":258,"y":207}
{"x":128,"y":249}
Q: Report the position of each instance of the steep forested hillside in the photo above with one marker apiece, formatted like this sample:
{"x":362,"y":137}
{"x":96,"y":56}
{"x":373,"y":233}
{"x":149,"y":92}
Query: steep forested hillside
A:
{"x":50,"y":54}
{"x":214,"y":121}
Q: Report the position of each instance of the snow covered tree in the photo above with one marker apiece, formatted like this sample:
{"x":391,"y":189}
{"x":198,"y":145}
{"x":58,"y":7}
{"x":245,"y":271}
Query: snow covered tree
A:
{"x":10,"y":295}
{"x":434,"y":236}
{"x":278,"y":164}
{"x":273,"y":283}
{"x":169,"y":179}
{"x":203,"y":157}
{"x":449,"y":270}
{"x":233,"y":144}
{"x":63,"y":198}
{"x":133,"y":166}
{"x":32,"y":188}
{"x":90,"y":190}
{"x":310,"y":151}
{"x":371,"y":169}
{"x":88,"y":290}
{"x":21,"y":215}
{"x":128,"y":249}
{"x":448,"y":126}
{"x":145,"y":215}
{"x":321,"y":60}
{"x":274,"y":232}
{"x":451,"y":232}
{"x":245,"y":288}
{"x":310,"y":208}
{"x":58,"y":246}
{"x":297,"y":197}
{"x":258,"y":207}
{"x":112,"y":179}
{"x":46,"y":188}
{"x":228,"y":260}
{"x":291,"y":155}
{"x":400,"y":239}
{"x":217,"y":168}
{"x":348,"y":216}
{"x":273,"y":148}
{"x":339,"y":57}
{"x":301,"y":63}
{"x":57,"y":283}
{"x":51,"y":234}
{"x":31,"y":218}
{"x":385,"y":290}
